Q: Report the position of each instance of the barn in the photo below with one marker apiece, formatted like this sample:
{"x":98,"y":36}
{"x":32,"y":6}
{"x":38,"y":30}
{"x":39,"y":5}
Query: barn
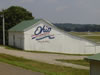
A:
{"x":94,"y":64}
{"x":41,"y":35}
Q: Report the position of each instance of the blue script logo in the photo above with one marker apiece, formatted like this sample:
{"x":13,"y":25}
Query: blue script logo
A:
{"x":42,"y":32}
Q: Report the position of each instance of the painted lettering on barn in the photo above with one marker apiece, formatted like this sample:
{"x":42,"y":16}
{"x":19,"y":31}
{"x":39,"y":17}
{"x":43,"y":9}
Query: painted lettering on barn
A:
{"x":42,"y":32}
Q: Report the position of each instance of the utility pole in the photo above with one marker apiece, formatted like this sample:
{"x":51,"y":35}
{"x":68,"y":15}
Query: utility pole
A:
{"x":3,"y":29}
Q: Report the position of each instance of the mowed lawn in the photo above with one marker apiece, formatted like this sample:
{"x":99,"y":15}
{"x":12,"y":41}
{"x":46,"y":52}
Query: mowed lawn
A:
{"x":93,"y":36}
{"x":47,"y":69}
{"x":78,"y":62}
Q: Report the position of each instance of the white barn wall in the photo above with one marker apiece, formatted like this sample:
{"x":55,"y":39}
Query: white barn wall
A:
{"x":10,"y":41}
{"x":97,"y":49}
{"x":19,"y":39}
{"x":63,"y":43}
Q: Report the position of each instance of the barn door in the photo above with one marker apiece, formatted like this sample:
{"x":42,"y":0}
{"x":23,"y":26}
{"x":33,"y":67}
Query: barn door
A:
{"x":21,"y":43}
{"x":14,"y":40}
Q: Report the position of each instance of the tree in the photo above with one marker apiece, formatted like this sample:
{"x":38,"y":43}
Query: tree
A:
{"x":14,"y":15}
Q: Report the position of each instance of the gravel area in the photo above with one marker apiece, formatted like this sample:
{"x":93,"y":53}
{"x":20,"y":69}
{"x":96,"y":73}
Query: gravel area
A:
{"x":44,"y":57}
{"x":6,"y":69}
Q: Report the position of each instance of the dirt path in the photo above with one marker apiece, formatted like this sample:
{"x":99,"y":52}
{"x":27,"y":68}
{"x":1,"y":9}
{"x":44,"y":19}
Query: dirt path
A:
{"x":6,"y":69}
{"x":44,"y":57}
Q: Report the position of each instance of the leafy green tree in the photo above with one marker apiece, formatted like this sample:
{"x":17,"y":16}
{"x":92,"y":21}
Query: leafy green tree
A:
{"x":13,"y":15}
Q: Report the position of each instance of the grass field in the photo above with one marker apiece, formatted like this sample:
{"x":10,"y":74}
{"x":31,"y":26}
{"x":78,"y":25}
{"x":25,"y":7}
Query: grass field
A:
{"x":79,"y":62}
{"x":85,"y":33}
{"x":47,"y":69}
{"x":93,"y":36}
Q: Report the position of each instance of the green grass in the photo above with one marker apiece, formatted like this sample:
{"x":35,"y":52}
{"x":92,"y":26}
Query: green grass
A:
{"x":78,"y":33}
{"x":79,"y":62}
{"x":47,"y":69}
{"x":85,"y":33}
{"x":93,"y":36}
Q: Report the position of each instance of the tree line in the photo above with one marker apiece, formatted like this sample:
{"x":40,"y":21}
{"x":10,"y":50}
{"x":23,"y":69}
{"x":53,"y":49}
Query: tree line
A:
{"x":13,"y":15}
{"x":78,"y":27}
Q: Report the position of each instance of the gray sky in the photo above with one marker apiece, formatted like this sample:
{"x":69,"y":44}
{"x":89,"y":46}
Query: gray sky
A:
{"x":60,"y":11}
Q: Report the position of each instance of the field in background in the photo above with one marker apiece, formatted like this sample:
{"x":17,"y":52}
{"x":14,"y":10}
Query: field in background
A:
{"x":93,"y":36}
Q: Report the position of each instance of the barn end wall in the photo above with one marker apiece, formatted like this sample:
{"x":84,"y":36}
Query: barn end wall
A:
{"x":16,"y":39}
{"x":94,"y":67}
{"x":61,"y":43}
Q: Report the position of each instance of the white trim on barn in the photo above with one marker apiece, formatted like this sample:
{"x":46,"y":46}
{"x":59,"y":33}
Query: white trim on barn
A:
{"x":44,"y":36}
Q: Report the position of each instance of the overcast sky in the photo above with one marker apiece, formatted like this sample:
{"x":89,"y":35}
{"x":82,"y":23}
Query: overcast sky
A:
{"x":60,"y":11}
